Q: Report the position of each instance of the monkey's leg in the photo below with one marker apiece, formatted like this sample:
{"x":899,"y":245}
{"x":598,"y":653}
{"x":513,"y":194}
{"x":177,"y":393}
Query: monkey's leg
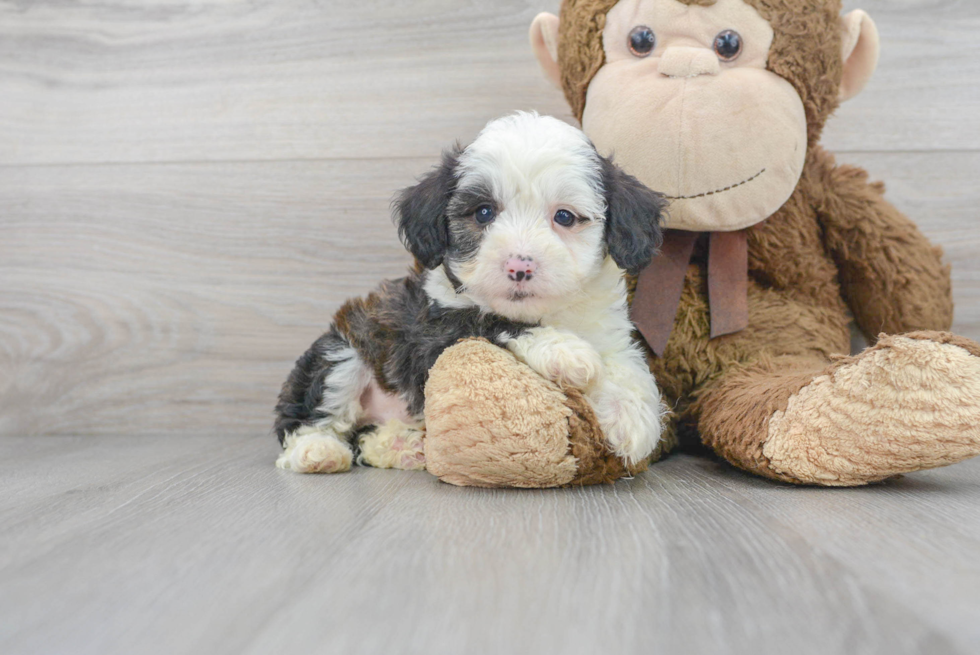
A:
{"x":909,"y":403}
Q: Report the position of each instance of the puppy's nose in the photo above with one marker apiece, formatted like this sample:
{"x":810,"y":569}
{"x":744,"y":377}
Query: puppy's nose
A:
{"x":520,"y":268}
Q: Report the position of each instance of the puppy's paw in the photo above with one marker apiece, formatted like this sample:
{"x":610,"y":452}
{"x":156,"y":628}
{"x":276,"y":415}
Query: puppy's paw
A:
{"x":315,"y":452}
{"x":561,"y":357}
{"x":394,"y":445}
{"x":631,"y":421}
{"x":575,"y":364}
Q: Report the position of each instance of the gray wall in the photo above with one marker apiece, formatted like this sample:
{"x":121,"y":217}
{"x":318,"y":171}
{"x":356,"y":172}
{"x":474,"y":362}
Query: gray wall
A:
{"x":189,"y":190}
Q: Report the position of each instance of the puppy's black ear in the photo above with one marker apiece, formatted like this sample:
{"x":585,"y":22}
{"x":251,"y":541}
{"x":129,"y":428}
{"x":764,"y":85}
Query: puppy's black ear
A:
{"x":633,"y":218}
{"x":420,"y":212}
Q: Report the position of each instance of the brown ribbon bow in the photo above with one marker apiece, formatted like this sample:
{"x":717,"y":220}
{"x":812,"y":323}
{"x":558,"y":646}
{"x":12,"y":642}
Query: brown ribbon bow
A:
{"x":659,"y":286}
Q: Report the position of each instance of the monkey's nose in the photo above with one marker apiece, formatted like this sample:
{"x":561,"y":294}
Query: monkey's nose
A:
{"x":686,"y":62}
{"x":520,"y":268}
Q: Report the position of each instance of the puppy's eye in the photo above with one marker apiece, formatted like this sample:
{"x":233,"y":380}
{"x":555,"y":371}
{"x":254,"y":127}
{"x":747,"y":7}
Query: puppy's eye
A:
{"x":728,"y":45}
{"x":565,"y":218}
{"x":485,"y":214}
{"x":642,"y":41}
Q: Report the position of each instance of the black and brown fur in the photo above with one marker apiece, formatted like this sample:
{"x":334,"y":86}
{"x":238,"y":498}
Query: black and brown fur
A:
{"x":397,"y":331}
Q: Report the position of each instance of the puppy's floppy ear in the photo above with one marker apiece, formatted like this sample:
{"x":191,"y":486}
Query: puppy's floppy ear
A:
{"x":421,"y":211}
{"x":633,"y":218}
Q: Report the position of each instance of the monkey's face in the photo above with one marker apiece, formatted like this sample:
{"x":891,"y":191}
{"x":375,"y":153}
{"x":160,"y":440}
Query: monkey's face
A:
{"x":686,"y":104}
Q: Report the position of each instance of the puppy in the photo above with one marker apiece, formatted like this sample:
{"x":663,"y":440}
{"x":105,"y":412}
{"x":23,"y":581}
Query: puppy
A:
{"x":521,"y":238}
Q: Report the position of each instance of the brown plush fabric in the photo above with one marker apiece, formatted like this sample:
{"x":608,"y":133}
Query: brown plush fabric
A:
{"x":580,"y":53}
{"x":904,"y":405}
{"x":736,"y":411}
{"x":492,"y":422}
{"x":892,"y":278}
{"x":797,"y":314}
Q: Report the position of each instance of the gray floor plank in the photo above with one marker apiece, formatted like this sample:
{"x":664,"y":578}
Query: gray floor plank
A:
{"x":199,"y":545}
{"x":932,"y":518}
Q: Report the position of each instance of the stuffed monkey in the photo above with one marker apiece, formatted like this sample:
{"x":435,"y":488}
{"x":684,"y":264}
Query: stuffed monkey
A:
{"x":772,"y":246}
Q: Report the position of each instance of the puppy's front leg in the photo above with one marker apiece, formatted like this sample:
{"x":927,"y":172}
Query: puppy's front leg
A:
{"x":628,"y":406}
{"x":558,"y":355}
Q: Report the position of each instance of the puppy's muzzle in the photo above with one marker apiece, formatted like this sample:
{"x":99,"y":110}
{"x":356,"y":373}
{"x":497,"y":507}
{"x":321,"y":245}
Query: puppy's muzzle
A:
{"x":520,"y":268}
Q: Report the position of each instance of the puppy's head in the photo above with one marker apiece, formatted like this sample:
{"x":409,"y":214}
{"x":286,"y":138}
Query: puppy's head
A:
{"x":526,"y":215}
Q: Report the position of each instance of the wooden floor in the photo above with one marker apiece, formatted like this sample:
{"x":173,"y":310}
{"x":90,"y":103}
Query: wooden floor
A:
{"x":198,"y":545}
{"x":188,"y":191}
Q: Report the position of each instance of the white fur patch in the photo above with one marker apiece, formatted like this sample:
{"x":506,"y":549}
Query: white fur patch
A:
{"x":343,"y":387}
{"x":321,"y":448}
{"x":532,"y":158}
{"x":628,"y":407}
{"x":559,"y":356}
{"x":309,"y":450}
{"x":394,"y":445}
{"x":441,"y":291}
{"x":589,"y":345}
{"x":534,"y":166}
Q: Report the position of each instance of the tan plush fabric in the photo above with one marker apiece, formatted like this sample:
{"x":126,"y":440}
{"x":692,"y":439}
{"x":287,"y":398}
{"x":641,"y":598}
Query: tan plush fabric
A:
{"x":492,"y":422}
{"x":684,"y":133}
{"x":806,"y":50}
{"x":903,"y":405}
{"x":862,"y":49}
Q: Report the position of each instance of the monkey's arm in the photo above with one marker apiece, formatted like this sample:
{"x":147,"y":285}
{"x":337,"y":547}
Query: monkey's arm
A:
{"x":892,"y":278}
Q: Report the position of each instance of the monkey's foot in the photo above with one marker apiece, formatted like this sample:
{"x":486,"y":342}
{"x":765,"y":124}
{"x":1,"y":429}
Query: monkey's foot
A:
{"x":909,"y":403}
{"x":394,"y":445}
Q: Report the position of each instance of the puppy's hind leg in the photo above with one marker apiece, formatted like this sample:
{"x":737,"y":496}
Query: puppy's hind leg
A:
{"x":393,"y":445}
{"x":312,"y":450}
{"x":319,"y":407}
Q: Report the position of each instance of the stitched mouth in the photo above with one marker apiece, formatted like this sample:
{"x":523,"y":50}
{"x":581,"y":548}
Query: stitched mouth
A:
{"x":717,"y":191}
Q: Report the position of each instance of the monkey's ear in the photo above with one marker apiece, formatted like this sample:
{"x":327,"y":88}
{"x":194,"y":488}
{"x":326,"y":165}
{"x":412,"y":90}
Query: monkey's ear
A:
{"x":421,"y":212}
{"x":862,"y":47}
{"x":633,"y":218}
{"x":544,"y":41}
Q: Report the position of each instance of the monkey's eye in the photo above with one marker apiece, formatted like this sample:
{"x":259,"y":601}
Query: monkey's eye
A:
{"x":728,"y":45}
{"x":565,"y":218}
{"x":485,"y":214}
{"x":642,"y":41}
